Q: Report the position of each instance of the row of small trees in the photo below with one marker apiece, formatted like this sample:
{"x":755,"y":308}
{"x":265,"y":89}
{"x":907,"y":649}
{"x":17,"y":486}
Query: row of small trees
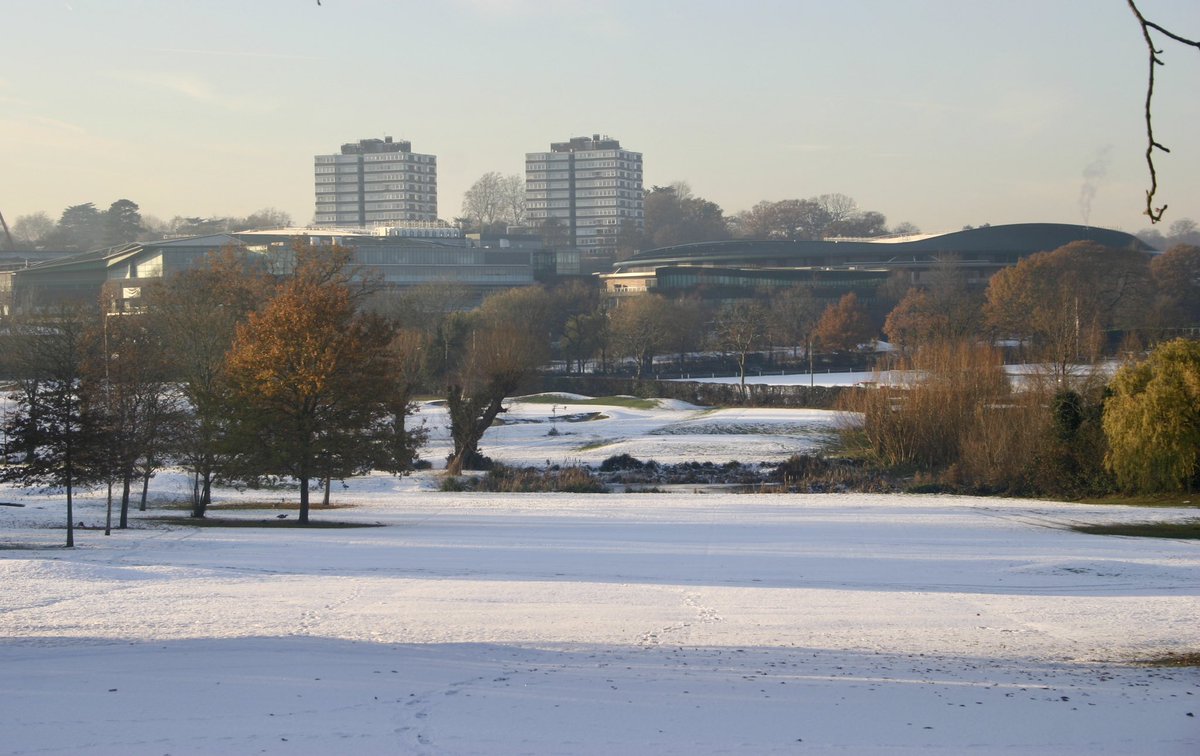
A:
{"x":1063,"y":307}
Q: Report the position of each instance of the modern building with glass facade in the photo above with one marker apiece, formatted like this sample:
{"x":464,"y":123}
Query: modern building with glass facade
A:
{"x":588,"y":186}
{"x":477,"y":267}
{"x":375,"y":182}
{"x":742,"y":267}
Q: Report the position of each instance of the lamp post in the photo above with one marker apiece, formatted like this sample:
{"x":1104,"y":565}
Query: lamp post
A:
{"x":107,"y":409}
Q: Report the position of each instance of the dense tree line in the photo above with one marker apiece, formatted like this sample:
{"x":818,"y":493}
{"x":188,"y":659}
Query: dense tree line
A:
{"x":675,"y":215}
{"x":84,"y":226}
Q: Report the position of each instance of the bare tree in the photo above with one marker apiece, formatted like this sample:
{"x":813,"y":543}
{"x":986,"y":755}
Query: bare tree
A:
{"x":684,"y":321}
{"x":639,"y":329}
{"x":126,"y":377}
{"x":792,"y":220}
{"x":199,"y":310}
{"x":396,"y":442}
{"x":741,"y":328}
{"x":793,"y":316}
{"x":514,"y":199}
{"x":1176,"y":275}
{"x":33,"y":228}
{"x":838,"y":207}
{"x":484,"y":203}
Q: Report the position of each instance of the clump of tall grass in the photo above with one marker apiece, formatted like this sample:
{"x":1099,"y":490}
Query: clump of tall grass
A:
{"x":956,"y":420}
{"x":923,"y":418}
{"x":505,"y":479}
{"x":808,"y":473}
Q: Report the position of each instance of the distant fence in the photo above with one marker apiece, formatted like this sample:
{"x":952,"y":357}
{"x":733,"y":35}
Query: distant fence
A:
{"x":707,"y":394}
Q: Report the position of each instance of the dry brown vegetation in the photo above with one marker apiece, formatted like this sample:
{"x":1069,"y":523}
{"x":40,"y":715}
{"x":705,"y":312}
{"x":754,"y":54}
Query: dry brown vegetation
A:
{"x":956,"y":421}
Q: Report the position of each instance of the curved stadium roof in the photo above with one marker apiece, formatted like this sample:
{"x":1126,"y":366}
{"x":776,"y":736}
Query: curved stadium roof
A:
{"x":1019,"y":239}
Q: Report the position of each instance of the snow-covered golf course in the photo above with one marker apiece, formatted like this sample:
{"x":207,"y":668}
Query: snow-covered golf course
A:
{"x":599,"y":624}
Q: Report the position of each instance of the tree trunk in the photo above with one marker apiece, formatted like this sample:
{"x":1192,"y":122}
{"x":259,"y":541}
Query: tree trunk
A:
{"x":126,"y":481}
{"x":304,"y":500}
{"x":467,"y":437}
{"x":108,"y":510}
{"x":328,"y":481}
{"x":70,"y":515}
{"x":145,"y":489}
{"x":202,"y":494}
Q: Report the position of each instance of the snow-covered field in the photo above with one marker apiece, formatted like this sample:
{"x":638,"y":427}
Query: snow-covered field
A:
{"x":564,"y":433}
{"x":602,"y":624}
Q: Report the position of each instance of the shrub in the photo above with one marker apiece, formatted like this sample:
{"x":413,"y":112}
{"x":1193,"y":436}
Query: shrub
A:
{"x":504,"y":479}
{"x":805,"y":473}
{"x":624,"y":462}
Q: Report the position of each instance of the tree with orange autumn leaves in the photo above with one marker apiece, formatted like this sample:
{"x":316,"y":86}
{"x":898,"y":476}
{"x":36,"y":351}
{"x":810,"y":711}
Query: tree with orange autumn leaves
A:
{"x":844,"y":326}
{"x":306,"y":371}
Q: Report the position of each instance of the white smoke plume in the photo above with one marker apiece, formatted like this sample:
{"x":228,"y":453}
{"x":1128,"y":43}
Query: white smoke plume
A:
{"x":1092,"y":175}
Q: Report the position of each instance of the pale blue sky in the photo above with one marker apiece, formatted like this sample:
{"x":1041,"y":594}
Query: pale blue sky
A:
{"x":938,"y":112}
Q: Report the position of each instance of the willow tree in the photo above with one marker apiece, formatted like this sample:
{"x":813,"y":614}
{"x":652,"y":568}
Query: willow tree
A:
{"x":1152,"y":421}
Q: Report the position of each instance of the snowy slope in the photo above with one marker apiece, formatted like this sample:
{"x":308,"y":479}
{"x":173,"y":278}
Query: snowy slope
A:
{"x":532,"y":433}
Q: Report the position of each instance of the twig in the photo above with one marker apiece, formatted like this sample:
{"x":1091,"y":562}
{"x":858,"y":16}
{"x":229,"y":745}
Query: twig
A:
{"x":1154,"y":213}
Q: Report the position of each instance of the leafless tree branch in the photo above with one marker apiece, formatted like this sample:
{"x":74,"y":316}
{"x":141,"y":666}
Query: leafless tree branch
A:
{"x":1154,"y":213}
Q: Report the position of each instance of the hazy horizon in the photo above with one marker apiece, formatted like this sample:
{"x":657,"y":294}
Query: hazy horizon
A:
{"x":935,"y":112}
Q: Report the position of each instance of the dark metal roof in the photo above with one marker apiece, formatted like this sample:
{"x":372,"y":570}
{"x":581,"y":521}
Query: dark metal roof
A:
{"x":79,"y":258}
{"x":1020,"y":238}
{"x":1025,"y":238}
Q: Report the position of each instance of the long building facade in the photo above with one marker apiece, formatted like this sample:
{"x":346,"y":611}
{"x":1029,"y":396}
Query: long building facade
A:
{"x":588,"y":186}
{"x":375,"y":182}
{"x":743,"y":267}
{"x":476,"y":267}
